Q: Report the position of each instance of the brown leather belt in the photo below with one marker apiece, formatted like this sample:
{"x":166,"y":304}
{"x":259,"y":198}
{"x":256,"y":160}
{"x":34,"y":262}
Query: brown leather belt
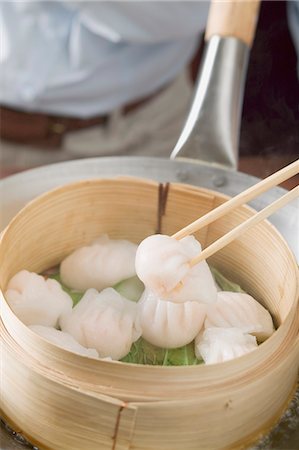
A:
{"x":47,"y":131}
{"x":37,"y":129}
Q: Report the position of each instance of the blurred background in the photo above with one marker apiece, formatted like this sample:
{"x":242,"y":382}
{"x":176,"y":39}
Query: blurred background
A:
{"x":270,"y":121}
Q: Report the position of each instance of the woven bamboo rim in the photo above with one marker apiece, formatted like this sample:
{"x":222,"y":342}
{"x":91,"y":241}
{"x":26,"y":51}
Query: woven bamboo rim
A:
{"x":184,"y":405}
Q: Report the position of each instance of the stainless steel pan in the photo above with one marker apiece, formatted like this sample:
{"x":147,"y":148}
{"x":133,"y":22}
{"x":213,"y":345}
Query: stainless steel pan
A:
{"x":17,"y":190}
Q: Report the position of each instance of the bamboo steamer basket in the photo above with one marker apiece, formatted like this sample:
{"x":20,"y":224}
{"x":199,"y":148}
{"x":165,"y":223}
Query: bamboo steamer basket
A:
{"x":63,"y":401}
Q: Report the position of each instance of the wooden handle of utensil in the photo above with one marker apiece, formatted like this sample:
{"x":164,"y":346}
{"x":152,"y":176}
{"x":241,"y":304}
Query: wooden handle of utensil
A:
{"x":233,"y":18}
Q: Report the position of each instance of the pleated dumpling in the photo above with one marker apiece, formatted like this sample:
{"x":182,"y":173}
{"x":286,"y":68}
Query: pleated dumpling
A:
{"x":239,"y":310}
{"x":168,"y":324}
{"x":103,"y":263}
{"x":162,"y":263}
{"x":105,"y":321}
{"x":35,"y":300}
{"x":215,"y":345}
{"x":63,"y":340}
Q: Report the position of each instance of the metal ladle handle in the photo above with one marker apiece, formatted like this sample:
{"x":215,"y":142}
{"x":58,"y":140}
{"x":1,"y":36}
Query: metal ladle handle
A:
{"x":211,"y":131}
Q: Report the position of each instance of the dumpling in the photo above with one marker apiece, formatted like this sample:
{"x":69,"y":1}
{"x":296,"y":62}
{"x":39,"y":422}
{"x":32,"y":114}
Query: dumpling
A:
{"x":35,"y":300}
{"x":235,"y":309}
{"x":167,"y":324}
{"x":105,"y":321}
{"x":63,"y":340}
{"x":162,"y":263}
{"x":99,"y":265}
{"x":215,"y":345}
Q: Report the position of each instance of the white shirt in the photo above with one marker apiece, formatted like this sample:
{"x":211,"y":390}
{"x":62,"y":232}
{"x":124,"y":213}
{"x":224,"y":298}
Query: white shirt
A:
{"x":87,"y":57}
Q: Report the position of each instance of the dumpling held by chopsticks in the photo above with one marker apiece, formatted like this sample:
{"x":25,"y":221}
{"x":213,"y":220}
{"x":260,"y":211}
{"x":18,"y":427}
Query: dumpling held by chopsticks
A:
{"x":162,"y":263}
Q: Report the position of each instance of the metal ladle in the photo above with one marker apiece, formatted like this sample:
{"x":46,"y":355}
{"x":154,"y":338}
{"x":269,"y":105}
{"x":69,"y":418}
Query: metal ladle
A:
{"x":211,"y":131}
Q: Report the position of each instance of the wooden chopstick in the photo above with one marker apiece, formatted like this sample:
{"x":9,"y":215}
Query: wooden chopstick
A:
{"x":244,"y":197}
{"x":240,"y":229}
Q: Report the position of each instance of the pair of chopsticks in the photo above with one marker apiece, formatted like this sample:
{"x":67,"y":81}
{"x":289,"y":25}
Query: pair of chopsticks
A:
{"x":240,"y":199}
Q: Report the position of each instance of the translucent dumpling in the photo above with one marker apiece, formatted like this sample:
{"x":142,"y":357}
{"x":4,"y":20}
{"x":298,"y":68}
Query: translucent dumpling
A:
{"x":235,"y":309}
{"x":103,"y":263}
{"x":167,"y":324}
{"x":35,"y":300}
{"x":162,"y":263}
{"x":63,"y":340}
{"x":215,"y":345}
{"x":105,"y":321}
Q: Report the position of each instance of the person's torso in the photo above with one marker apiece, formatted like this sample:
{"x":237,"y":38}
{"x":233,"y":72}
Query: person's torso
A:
{"x":56,"y":59}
